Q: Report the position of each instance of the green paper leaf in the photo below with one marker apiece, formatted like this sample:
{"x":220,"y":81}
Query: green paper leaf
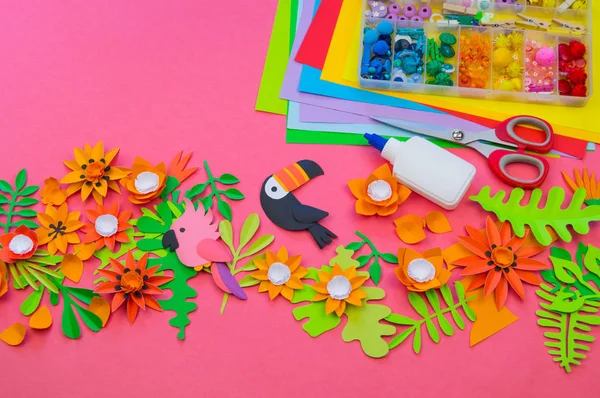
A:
{"x":396,"y":341}
{"x":149,"y":225}
{"x":228,"y":179}
{"x":91,"y":320}
{"x":70,"y":326}
{"x":591,"y":260}
{"x":234,"y":194}
{"x":27,"y":223}
{"x":318,"y":321}
{"x":539,"y":218}
{"x":362,"y":260}
{"x":180,"y":302}
{"x":355,"y":246}
{"x":224,"y":209}
{"x":389,"y":258}
{"x":417,"y":341}
{"x":259,"y":244}
{"x":81,"y":294}
{"x":364,"y":324}
{"x":164,"y":212}
{"x":400,"y":319}
{"x":5,"y":187}
{"x":25,"y":213}
{"x":307,"y":293}
{"x":32,"y":302}
{"x":3,"y":200}
{"x":196,"y":190}
{"x":27,"y":202}
{"x":28,"y":191}
{"x":375,"y":271}
{"x":20,"y":179}
{"x":566,"y":271}
{"x":53,"y":299}
{"x":418,"y":304}
{"x":149,"y":245}
{"x":171,"y":184}
{"x":249,"y":229}
{"x":248,"y":281}
{"x":226,"y":231}
{"x":206,"y":203}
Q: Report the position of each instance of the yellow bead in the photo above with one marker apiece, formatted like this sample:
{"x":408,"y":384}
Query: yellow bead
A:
{"x":501,"y":57}
{"x":507,"y":85}
{"x":517,"y":84}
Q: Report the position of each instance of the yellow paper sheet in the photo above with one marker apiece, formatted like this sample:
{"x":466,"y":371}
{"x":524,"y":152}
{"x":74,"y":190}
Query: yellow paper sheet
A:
{"x":580,"y":123}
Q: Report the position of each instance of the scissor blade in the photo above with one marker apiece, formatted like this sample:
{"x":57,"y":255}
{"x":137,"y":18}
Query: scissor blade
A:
{"x":442,"y":133}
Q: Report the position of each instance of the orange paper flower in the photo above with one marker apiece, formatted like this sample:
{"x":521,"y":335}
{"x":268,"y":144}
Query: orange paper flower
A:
{"x":3,"y":278}
{"x":133,"y":283}
{"x":379,"y":194}
{"x":421,"y":272}
{"x":58,"y":228}
{"x":18,"y":245}
{"x":279,"y":273}
{"x":51,"y":193}
{"x":587,"y":182}
{"x":339,"y":288}
{"x":499,"y":259}
{"x":146,"y":181}
{"x":106,"y":227}
{"x":92,"y":172}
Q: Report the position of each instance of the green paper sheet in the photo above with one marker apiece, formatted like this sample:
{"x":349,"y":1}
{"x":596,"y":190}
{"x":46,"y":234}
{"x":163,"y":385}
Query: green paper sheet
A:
{"x":276,"y":62}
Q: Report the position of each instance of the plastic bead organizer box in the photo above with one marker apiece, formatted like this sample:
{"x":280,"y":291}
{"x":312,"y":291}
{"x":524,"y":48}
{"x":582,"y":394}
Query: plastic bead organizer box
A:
{"x":529,"y":51}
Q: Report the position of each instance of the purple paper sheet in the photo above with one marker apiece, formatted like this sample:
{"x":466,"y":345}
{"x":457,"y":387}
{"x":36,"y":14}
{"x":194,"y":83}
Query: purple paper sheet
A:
{"x":317,"y":114}
{"x":289,"y":91}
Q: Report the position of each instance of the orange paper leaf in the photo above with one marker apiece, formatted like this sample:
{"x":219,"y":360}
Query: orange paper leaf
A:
{"x":85,"y":250}
{"x":14,"y":334}
{"x":437,"y":222}
{"x":410,"y":229}
{"x":41,"y":319}
{"x":100,"y":307}
{"x":72,"y":267}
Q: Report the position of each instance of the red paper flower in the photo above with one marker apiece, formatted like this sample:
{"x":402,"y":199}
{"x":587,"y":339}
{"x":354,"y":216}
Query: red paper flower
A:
{"x":18,"y":245}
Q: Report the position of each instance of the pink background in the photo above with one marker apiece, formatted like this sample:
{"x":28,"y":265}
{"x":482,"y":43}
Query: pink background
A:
{"x":154,"y":77}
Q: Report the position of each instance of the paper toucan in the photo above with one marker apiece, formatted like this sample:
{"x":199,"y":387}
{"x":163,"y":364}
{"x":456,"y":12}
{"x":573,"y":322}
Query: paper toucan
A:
{"x":193,"y":237}
{"x":285,"y":211}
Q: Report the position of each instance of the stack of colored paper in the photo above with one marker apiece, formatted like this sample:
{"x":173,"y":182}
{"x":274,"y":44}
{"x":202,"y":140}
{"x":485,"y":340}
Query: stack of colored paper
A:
{"x":310,"y":75}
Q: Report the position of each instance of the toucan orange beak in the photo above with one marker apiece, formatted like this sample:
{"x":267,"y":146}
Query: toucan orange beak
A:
{"x":297,"y":174}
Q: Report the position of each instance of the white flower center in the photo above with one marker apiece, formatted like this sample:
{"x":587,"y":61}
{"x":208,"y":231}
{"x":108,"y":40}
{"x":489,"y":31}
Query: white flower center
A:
{"x":379,"y":190}
{"x":146,"y":182}
{"x":421,"y":270}
{"x":339,"y":287}
{"x":279,"y":273}
{"x":20,"y":244}
{"x":106,"y":225}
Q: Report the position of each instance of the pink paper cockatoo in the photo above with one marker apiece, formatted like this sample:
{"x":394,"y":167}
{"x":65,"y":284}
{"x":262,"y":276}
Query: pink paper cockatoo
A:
{"x":194,"y":237}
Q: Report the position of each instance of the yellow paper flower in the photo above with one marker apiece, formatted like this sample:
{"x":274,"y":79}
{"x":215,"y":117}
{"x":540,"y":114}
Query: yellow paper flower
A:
{"x":92,"y":172}
{"x":51,"y":193}
{"x":58,"y":228}
{"x":421,"y":272}
{"x":587,"y":182}
{"x":379,"y":194}
{"x":339,"y":288}
{"x":279,"y":273}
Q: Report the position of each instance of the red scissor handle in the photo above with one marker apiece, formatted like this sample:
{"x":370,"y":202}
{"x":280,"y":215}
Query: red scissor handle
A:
{"x":506,"y":132}
{"x":501,"y":158}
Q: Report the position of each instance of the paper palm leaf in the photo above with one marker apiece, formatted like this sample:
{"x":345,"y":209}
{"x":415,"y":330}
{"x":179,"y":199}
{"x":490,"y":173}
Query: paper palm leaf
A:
{"x":538,"y":219}
{"x":13,"y":198}
{"x":414,"y":325}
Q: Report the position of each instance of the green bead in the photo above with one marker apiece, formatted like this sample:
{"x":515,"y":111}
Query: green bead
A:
{"x":448,"y":38}
{"x":447,"y":51}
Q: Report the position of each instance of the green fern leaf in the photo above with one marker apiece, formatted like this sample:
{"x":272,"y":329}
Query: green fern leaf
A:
{"x":17,"y":197}
{"x":427,"y":317}
{"x":551,"y":215}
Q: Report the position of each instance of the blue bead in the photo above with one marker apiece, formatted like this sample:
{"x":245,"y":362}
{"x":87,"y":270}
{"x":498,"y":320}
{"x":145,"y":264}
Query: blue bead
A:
{"x":371,"y":37}
{"x":420,"y":69}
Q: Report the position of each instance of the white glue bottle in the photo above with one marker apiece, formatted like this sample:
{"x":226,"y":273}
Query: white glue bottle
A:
{"x":427,"y":169}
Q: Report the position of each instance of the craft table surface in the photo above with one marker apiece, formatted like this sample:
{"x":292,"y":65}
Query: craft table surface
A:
{"x":155,"y":77}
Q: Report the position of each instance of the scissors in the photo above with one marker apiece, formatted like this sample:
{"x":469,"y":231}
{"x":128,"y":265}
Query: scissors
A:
{"x":504,"y":134}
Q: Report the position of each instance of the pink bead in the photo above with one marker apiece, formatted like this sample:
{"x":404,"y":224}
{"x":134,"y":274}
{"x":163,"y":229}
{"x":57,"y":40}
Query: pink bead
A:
{"x":416,"y":18}
{"x":402,"y":18}
{"x":410,"y":10}
{"x":394,"y":9}
{"x":391,"y":17}
{"x":425,"y":12}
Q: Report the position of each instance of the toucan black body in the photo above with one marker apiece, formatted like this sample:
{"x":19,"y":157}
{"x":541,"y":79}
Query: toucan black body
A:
{"x":285,"y":210}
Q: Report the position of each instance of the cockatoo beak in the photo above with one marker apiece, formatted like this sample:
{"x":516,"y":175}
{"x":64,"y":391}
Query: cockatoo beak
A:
{"x":169,"y":241}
